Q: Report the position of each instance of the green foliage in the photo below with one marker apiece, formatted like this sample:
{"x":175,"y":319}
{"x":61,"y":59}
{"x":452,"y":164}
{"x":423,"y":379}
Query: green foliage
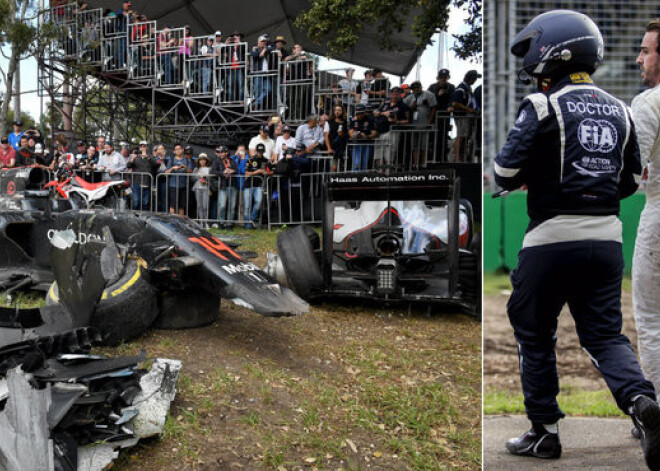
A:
{"x":339,"y":23}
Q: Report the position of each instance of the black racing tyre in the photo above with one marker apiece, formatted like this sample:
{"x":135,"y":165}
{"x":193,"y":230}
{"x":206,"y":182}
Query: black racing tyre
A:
{"x":296,"y":250}
{"x":187,"y":309}
{"x":128,"y":306}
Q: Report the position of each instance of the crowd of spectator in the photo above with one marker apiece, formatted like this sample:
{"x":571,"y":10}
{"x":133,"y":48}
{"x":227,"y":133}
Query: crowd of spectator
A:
{"x":360,"y":124}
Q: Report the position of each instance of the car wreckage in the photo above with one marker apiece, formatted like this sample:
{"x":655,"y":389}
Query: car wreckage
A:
{"x":397,"y":237}
{"x":109,"y":275}
{"x":158,"y":269}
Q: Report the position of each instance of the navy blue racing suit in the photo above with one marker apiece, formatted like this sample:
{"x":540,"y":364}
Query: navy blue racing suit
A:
{"x":575,"y":149}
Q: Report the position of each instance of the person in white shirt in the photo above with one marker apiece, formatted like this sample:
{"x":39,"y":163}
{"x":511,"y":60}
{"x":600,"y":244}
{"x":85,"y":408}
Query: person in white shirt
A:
{"x":111,"y":163}
{"x":284,"y":143}
{"x":261,"y":138}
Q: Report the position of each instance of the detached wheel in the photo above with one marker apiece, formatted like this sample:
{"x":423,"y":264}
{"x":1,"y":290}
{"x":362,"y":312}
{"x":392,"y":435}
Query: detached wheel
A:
{"x":469,"y":275}
{"x":296,"y":250}
{"x":187,"y":309}
{"x":128,"y":306}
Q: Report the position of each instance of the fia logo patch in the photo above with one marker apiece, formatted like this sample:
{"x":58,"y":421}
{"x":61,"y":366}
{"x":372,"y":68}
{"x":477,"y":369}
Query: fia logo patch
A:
{"x":597,"y":135}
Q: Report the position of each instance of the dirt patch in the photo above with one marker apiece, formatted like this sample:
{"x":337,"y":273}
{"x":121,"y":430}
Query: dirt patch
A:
{"x":345,"y":387}
{"x":574,"y":367}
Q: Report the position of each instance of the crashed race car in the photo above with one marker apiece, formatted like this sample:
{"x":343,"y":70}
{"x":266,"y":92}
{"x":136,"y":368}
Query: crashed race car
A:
{"x":155,"y":269}
{"x":397,"y":237}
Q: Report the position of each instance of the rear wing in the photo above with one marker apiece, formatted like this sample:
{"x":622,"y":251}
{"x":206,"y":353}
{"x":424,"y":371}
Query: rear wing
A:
{"x":423,"y":185}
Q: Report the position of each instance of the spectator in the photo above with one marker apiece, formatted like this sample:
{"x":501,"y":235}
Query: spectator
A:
{"x":348,"y":86}
{"x":89,"y":160}
{"x":279,"y":51}
{"x":422,"y":104}
{"x":188,"y":152}
{"x":7,"y":154}
{"x":145,"y":167}
{"x":207,"y":50}
{"x":363,"y":88}
{"x":284,"y":143}
{"x":24,"y":155}
{"x":378,"y":91}
{"x":443,"y":92}
{"x":392,"y":112}
{"x":125,"y":151}
{"x":234,"y":60}
{"x":165,"y":45}
{"x":64,"y":161}
{"x":224,"y":168}
{"x":202,"y":186}
{"x":363,"y":132}
{"x":298,"y":75}
{"x":81,"y":152}
{"x":32,"y":132}
{"x":161,"y":178}
{"x":337,"y":136}
{"x":124,"y":18}
{"x":41,"y":159}
{"x":256,"y":170}
{"x":15,"y":136}
{"x":261,"y":82}
{"x":241,"y":158}
{"x":464,"y":111}
{"x":177,"y":184}
{"x":261,"y":138}
{"x":309,"y":136}
{"x":278,"y":55}
{"x":185,"y":50}
{"x":111,"y":163}
{"x":100,"y":144}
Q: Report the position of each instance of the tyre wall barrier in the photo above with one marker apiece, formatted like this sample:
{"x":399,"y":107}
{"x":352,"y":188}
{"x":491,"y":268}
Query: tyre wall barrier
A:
{"x":505,"y":221}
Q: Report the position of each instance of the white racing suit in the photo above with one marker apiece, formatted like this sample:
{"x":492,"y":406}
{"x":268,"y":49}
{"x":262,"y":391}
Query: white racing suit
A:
{"x":646,"y":261}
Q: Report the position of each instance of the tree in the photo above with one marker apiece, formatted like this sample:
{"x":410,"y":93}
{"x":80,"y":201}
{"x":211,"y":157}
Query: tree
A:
{"x":19,"y":39}
{"x":338,"y":23}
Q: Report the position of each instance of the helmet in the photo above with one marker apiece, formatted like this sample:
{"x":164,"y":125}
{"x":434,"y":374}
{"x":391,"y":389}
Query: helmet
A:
{"x":559,"y":42}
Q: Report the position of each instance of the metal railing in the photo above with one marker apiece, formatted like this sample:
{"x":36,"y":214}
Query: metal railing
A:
{"x":231,"y":73}
{"x":89,"y":24}
{"x":142,"y":51}
{"x":296,"y":92}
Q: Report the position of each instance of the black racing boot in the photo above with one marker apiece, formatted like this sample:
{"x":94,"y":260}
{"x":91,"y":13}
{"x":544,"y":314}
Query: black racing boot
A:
{"x":646,"y":415}
{"x":537,"y":442}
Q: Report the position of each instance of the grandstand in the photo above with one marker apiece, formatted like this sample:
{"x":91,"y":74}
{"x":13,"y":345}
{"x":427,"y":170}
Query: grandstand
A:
{"x":152,"y":79}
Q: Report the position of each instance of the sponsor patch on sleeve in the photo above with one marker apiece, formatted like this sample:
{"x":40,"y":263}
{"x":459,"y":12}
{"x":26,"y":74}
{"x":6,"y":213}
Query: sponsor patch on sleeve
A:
{"x":581,"y":77}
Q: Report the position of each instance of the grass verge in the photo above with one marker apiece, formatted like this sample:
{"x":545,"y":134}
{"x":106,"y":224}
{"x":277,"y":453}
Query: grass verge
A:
{"x":573,"y":401}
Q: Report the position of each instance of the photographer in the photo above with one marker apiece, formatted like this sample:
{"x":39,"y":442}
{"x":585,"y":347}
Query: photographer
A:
{"x":262,"y":85}
{"x":234,"y":57}
{"x":145,"y":166}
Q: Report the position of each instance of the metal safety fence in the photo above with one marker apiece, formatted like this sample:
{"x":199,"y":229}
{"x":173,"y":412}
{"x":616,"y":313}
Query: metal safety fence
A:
{"x":199,"y":67}
{"x":231,"y":71}
{"x":296,"y":92}
{"x":88,"y":35}
{"x":171,"y":45}
{"x":142,"y":51}
{"x":263,"y":82}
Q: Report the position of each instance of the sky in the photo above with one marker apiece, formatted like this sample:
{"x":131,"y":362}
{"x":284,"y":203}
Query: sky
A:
{"x":30,"y":102}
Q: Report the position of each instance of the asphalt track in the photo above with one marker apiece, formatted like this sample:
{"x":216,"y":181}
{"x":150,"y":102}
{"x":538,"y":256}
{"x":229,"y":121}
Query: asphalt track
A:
{"x":587,"y":444}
